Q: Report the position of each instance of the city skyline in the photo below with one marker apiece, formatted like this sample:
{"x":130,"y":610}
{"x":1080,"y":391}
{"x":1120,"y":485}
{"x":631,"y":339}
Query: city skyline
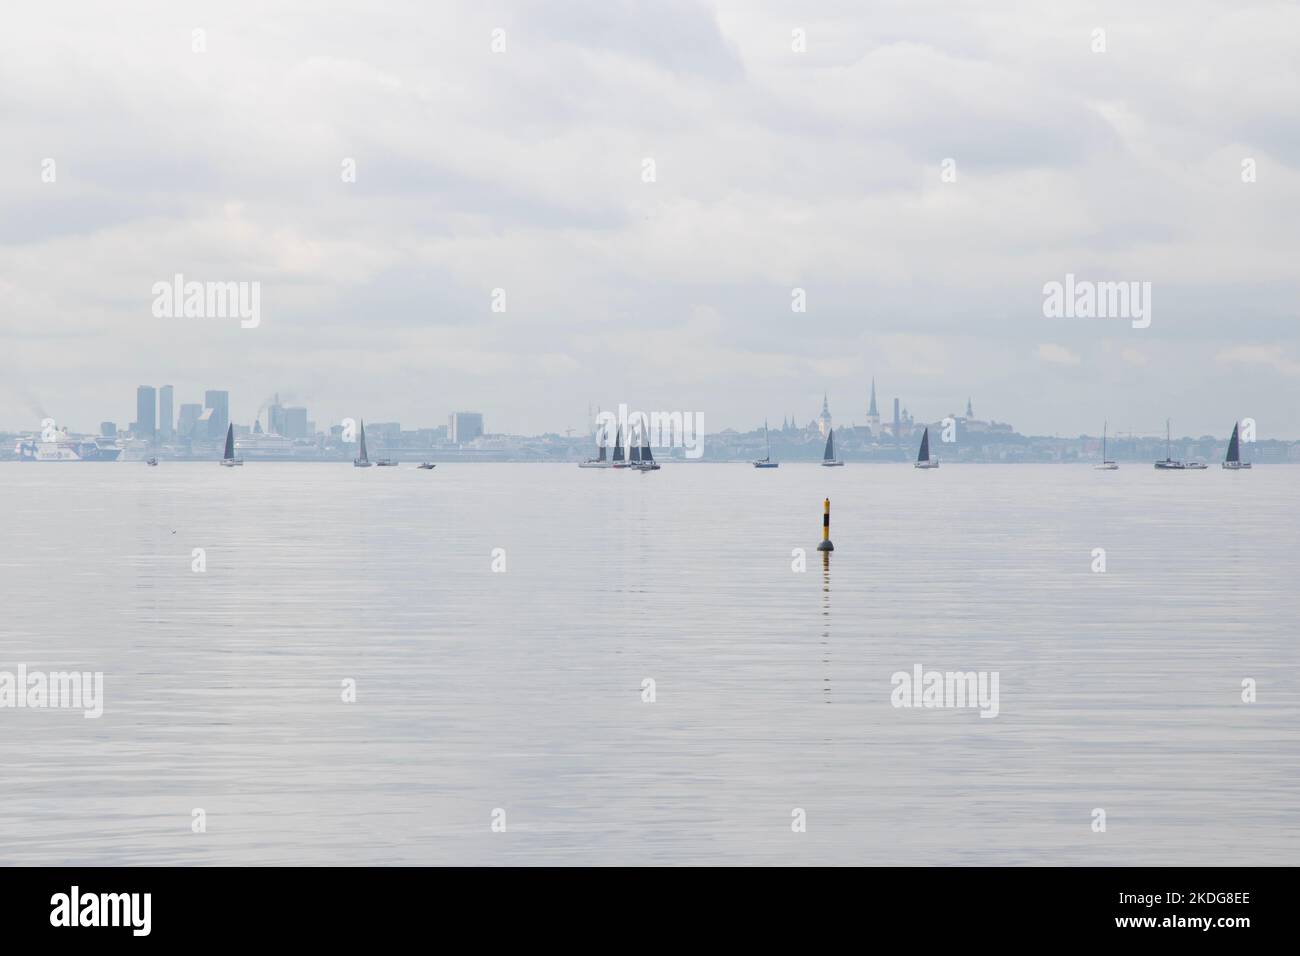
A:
{"x":207,"y":422}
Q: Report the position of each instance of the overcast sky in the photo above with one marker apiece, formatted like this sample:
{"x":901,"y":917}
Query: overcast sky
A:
{"x":775,"y":169}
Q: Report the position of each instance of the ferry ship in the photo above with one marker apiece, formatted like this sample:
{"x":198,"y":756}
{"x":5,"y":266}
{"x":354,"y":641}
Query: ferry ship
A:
{"x":65,"y":448}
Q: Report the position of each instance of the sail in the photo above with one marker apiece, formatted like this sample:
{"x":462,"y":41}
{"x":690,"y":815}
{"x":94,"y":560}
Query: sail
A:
{"x":633,"y":449}
{"x":767,"y":442}
{"x":1234,"y":448}
{"x":600,"y":454}
{"x":230,"y":443}
{"x":645,"y":448}
{"x":364,"y":457}
{"x":618,"y":444}
{"x":829,"y":454}
{"x":924,"y":454}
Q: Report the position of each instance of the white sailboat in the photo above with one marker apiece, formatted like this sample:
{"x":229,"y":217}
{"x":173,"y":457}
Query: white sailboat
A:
{"x":228,"y":459}
{"x":766,"y":461}
{"x":362,"y":460}
{"x":1174,"y":464}
{"x":1106,"y":463}
{"x":828,"y":456}
{"x":1232,"y":461}
{"x":923,"y":459}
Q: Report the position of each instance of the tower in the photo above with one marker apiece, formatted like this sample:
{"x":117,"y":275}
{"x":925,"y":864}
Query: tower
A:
{"x":824,"y":419}
{"x":969,"y":413}
{"x":873,"y":416}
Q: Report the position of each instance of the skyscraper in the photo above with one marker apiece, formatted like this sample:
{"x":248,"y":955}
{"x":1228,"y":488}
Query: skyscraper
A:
{"x":146,"y":412}
{"x":165,"y":420}
{"x":295,"y":422}
{"x":189,"y":417}
{"x":464,"y":426}
{"x":219,"y":421}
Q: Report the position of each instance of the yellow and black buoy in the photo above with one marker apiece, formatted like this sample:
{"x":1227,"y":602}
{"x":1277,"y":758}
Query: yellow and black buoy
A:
{"x":826,"y":528}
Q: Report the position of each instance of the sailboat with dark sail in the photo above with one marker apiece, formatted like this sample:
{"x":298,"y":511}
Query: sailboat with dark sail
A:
{"x":923,"y":459}
{"x":828,"y":455}
{"x":647,"y":462}
{"x":1232,"y":461}
{"x":766,"y":461}
{"x":619,"y":461}
{"x":362,"y":460}
{"x":228,"y":459}
{"x":1106,"y":463}
{"x":600,"y":461}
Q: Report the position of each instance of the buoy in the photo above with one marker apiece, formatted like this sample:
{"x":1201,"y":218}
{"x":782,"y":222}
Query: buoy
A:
{"x":826,"y":527}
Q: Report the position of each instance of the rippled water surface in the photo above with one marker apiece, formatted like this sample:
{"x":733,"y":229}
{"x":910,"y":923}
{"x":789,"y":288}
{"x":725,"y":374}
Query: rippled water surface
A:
{"x":522,"y":690}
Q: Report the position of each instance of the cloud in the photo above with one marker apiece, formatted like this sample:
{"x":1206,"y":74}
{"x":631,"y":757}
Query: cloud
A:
{"x":521,"y":171}
{"x":1268,"y":356}
{"x":1057,"y":354}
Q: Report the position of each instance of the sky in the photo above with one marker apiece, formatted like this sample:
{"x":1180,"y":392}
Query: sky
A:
{"x":920,"y":170}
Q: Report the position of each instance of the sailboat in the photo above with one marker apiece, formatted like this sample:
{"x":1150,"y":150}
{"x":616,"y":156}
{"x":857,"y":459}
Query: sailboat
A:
{"x":634,"y":448}
{"x":766,"y":461}
{"x":923,"y":459}
{"x":828,"y":456}
{"x":362,"y":460}
{"x":1106,"y":463}
{"x":648,"y":462}
{"x":618,"y":461}
{"x":599,"y":461}
{"x":426,"y":466}
{"x":228,"y":459}
{"x":1173,"y":464}
{"x":1232,"y":461}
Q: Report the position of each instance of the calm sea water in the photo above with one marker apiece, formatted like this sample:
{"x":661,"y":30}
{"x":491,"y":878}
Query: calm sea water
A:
{"x":522,"y":690}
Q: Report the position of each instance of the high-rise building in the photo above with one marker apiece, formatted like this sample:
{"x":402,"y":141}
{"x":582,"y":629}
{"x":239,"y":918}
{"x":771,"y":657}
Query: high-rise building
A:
{"x":898,"y":422}
{"x":219,"y":403}
{"x":464,"y":427}
{"x":275,"y":417}
{"x":108,"y":429}
{"x":165,"y":420}
{"x":294,"y":423}
{"x":187,"y":420}
{"x":146,"y":412}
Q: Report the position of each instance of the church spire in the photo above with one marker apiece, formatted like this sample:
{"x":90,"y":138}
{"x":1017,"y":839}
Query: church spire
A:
{"x":872,"y":409}
{"x":969,"y":413}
